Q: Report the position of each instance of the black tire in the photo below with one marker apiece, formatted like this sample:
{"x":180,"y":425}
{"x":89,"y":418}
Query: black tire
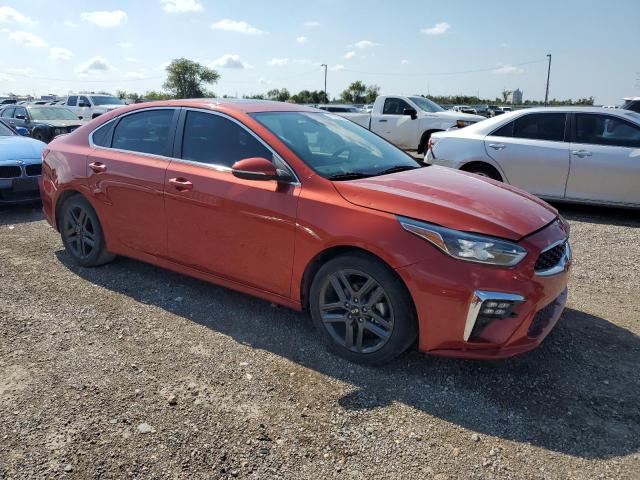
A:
{"x":82,"y":233}
{"x":484,"y":170}
{"x":39,"y":135}
{"x":376,"y":309}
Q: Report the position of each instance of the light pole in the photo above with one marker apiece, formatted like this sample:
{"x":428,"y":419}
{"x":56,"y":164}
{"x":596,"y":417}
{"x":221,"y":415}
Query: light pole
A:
{"x":546,"y":95}
{"x":326,"y":100}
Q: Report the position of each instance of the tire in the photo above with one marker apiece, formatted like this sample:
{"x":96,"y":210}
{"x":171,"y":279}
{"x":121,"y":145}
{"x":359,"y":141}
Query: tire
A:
{"x":38,"y":135}
{"x":484,"y":170}
{"x":424,"y":141}
{"x":362,"y":310}
{"x":82,"y":234}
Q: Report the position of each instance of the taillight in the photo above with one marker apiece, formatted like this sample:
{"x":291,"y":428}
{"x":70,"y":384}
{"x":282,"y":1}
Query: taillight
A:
{"x":430,"y":144}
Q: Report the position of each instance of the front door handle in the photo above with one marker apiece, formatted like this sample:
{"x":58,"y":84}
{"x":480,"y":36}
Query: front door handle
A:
{"x":497,"y":146}
{"x":98,"y":167}
{"x":382,"y":120}
{"x":581,"y":153}
{"x":181,"y":184}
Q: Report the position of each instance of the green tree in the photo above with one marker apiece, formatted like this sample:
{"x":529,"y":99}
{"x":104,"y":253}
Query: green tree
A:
{"x":278,"y":95}
{"x":354,"y":93}
{"x":187,"y":79}
{"x":371,"y":93}
{"x":505,"y":94}
{"x":154,"y":95}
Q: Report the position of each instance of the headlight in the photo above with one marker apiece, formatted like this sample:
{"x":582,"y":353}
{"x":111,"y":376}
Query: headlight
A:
{"x":464,"y":123}
{"x":57,"y":131}
{"x":467,"y":246}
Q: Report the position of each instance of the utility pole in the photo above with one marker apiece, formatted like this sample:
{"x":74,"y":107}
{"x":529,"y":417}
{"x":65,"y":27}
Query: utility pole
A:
{"x":326,"y":100}
{"x":546,"y":95}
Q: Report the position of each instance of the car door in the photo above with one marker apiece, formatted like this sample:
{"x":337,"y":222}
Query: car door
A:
{"x":84,"y":107}
{"x":605,"y":159}
{"x":126,"y":171}
{"x":242,"y":230}
{"x":71,"y":104}
{"x":393,"y":125}
{"x":20,"y":118}
{"x":532,"y":153}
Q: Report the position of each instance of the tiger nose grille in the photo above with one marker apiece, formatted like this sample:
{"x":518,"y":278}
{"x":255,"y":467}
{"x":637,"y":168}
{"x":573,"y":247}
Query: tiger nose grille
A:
{"x":550,"y":258}
{"x":10,"y":171}
{"x":33,"y":170}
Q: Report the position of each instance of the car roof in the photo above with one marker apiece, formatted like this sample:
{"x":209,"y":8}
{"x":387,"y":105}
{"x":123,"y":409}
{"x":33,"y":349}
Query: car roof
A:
{"x":226,"y":104}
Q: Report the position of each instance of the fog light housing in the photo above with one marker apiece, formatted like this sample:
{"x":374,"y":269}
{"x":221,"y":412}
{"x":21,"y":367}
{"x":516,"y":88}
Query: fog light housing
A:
{"x":486,"y":307}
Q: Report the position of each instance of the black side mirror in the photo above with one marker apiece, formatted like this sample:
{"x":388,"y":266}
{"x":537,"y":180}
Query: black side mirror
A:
{"x":21,"y":117}
{"x":80,"y":117}
{"x":82,"y":104}
{"x":410,"y":112}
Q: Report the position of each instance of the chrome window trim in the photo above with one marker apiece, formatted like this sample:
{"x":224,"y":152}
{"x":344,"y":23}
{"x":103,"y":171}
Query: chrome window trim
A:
{"x":217,"y":167}
{"x":564,"y":261}
{"x":478,"y":298}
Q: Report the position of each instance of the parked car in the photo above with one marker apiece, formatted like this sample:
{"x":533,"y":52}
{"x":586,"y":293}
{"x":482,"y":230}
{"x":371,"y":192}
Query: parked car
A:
{"x":506,"y":109}
{"x":631,"y":103}
{"x":367,"y":108}
{"x":20,"y":166}
{"x":90,"y":106}
{"x":578,"y":154}
{"x":408,"y":122}
{"x":43,"y":122}
{"x":309,"y":210}
{"x":464,"y":109}
{"x":335,"y":108}
{"x":490,"y":111}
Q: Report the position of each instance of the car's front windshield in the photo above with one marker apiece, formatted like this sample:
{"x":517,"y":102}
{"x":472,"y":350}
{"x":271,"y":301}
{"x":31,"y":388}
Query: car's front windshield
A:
{"x":51,"y":113}
{"x":5,"y":131}
{"x":426,"y":105}
{"x":106,"y":100}
{"x":335,"y":147}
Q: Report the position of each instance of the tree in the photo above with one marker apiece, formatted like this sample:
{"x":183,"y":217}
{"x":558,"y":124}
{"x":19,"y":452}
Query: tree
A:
{"x":278,"y":95}
{"x":187,"y":79}
{"x":153,"y":95}
{"x":354,"y":92}
{"x":505,"y":94}
{"x":371,"y":93}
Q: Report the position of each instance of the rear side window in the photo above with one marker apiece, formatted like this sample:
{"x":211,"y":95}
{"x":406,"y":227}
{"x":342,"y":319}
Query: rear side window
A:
{"x":504,"y":131}
{"x":606,"y":130}
{"x":8,"y":112}
{"x":71,"y":101}
{"x":540,"y":126}
{"x":101,"y":137}
{"x":215,"y":140}
{"x":394,"y":106}
{"x":144,"y":132}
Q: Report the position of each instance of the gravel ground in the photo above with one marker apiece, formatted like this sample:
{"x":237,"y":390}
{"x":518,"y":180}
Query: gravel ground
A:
{"x":132,"y":371}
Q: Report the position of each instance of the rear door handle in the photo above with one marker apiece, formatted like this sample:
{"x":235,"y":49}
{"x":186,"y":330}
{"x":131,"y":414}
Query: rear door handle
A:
{"x":181,"y":184}
{"x":98,"y":167}
{"x":581,"y":153}
{"x":497,"y":146}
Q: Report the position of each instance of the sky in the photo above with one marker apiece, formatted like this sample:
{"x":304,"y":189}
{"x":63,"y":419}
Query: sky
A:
{"x":404,"y":47}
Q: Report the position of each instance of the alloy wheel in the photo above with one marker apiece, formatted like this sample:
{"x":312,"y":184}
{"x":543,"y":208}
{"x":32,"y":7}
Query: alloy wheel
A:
{"x":79,"y":232}
{"x":356,"y":311}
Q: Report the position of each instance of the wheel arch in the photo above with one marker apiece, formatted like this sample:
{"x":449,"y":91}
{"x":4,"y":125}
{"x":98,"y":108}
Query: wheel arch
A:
{"x":468,"y":166}
{"x":424,"y":138}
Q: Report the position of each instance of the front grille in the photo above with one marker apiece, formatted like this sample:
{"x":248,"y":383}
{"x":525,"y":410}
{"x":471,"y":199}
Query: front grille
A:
{"x":550,"y":258}
{"x":10,"y":171}
{"x":33,"y":170}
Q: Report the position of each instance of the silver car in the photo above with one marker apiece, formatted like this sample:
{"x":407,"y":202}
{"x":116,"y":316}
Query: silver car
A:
{"x":573,"y":154}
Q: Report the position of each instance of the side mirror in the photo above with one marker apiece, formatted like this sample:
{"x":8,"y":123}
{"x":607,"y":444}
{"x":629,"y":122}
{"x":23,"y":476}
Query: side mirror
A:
{"x":20,"y":117}
{"x":255,"y":168}
{"x":79,"y":117}
{"x":22,"y":131}
{"x":82,"y":104}
{"x":410,"y":112}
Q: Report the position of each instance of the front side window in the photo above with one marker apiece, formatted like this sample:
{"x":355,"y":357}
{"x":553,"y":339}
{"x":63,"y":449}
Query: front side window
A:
{"x":106,"y":100}
{"x":427,"y":105}
{"x":20,"y":112}
{"x":394,"y":106}
{"x":335,"y":147}
{"x":71,"y":101}
{"x":540,"y":126}
{"x":606,"y":130}
{"x":144,"y":132}
{"x":84,"y":100}
{"x":8,"y":112}
{"x":215,"y":140}
{"x":5,"y":131}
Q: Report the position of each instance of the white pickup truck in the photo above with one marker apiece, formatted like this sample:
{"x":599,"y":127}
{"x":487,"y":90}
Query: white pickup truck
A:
{"x":90,"y":106}
{"x":408,"y":122}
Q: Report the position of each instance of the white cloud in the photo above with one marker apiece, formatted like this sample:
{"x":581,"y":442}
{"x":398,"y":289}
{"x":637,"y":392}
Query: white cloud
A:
{"x":404,"y":61}
{"x":95,"y":65}
{"x":278,"y":62}
{"x":301,"y":40}
{"x":437,"y":29}
{"x":70,"y":24}
{"x":507,"y":69}
{"x":349,"y":55}
{"x":135,"y":75}
{"x":362,"y":44}
{"x":181,"y":6}
{"x":130,"y":59}
{"x":10,"y":14}
{"x":230,"y":61}
{"x":105,"y":19}
{"x":27,"y":39}
{"x":312,"y":23}
{"x":59,"y":53}
{"x":124,"y":44}
{"x":236,"y":26}
{"x":336,"y":67}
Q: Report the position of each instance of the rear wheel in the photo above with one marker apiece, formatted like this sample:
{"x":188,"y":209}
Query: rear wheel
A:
{"x":82,"y":233}
{"x":484,"y":170}
{"x":362,"y":310}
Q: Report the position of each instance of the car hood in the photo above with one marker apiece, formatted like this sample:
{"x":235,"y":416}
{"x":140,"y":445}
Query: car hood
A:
{"x":108,"y":107}
{"x":20,"y":148}
{"x":62,"y":123}
{"x":453,"y":199}
{"x":469,"y":117}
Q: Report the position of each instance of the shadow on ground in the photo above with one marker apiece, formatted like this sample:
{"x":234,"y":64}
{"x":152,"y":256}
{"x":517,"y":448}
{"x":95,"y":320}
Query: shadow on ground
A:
{"x":600,"y":215}
{"x":577,"y":394}
{"x":16,"y":214}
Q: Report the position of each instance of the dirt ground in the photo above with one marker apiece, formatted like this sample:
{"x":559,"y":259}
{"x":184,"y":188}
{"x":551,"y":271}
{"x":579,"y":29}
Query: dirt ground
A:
{"x":131,"y":371}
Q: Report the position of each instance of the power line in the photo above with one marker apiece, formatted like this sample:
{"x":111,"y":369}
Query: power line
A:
{"x":434,"y":74}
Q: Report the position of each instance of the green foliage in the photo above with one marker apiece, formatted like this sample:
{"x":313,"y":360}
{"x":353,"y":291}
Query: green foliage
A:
{"x":371,"y":93}
{"x":187,"y":79}
{"x":278,"y":95}
{"x":153,"y":95}
{"x":354,"y":93}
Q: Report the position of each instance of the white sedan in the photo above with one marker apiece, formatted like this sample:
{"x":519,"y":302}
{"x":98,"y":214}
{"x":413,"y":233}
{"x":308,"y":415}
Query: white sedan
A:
{"x":573,"y":154}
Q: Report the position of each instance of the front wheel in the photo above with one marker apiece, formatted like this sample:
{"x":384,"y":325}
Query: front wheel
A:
{"x":82,"y":234}
{"x":362,"y":309}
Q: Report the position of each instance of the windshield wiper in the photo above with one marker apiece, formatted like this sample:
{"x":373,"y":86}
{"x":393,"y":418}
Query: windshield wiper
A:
{"x":349,"y":176}
{"x":399,"y":168}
